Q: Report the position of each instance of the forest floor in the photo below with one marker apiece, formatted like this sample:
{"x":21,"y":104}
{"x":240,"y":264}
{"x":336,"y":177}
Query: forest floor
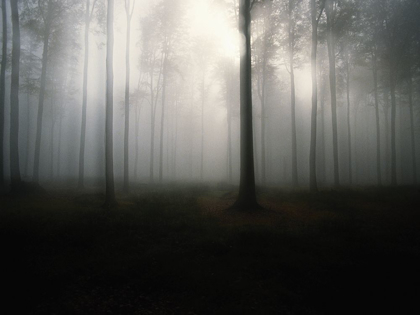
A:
{"x":176,"y":250}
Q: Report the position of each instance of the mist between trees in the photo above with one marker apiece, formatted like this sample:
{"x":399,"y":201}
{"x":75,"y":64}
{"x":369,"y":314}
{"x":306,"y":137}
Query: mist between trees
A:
{"x":175,"y":95}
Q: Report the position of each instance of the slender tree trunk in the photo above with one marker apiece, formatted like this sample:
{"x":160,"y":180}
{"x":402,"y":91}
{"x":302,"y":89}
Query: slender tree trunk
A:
{"x":109,"y":149}
{"x":322,"y":163}
{"x":333,"y":89}
{"x":292,"y":95}
{"x":52,"y":139}
{"x":229,"y":122}
{"x":387,"y":133}
{"x":14,"y":101}
{"x":60,"y":127}
{"x":28,"y":135}
{"x":393,"y":125}
{"x":313,"y":185}
{"x":84,"y":100}
{"x":3,"y":89}
{"x":412,"y":136}
{"x":42,"y":94}
{"x":247,"y":199}
{"x":127,"y":100}
{"x":263,"y":121}
{"x":152,"y":127}
{"x":348,"y":120}
{"x":203,"y":100}
{"x":162,"y":120}
{"x":378,"y":133}
{"x":136,"y":159}
{"x":176,"y":138}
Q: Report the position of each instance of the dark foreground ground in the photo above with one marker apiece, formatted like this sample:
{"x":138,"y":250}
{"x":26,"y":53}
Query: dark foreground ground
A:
{"x":176,"y":251}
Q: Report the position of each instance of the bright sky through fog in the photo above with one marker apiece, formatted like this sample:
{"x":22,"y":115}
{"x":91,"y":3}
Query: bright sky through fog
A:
{"x":209,"y":19}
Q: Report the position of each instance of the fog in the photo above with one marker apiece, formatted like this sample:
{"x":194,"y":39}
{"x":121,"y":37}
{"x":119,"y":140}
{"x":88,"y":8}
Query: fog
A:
{"x":185,"y":65}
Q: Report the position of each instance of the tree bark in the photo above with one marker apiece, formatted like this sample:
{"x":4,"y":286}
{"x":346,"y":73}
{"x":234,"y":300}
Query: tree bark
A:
{"x":247,"y":199}
{"x":393,"y":125}
{"x":109,"y":149}
{"x":3,"y":89}
{"x":412,"y":136}
{"x":333,"y":89}
{"x":162,"y":120}
{"x":47,"y":30}
{"x":291,"y":38}
{"x":14,"y":101}
{"x":350,"y":170}
{"x":84,"y":100}
{"x":378,"y":133}
{"x":313,"y":185}
{"x":127,"y":99}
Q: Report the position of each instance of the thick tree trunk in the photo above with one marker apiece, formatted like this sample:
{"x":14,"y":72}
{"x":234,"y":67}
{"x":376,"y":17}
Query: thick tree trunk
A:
{"x":247,"y":199}
{"x":378,"y":133}
{"x":3,"y":89}
{"x":42,"y":93}
{"x":14,"y":101}
{"x":109,"y":149}
{"x":333,"y":88}
{"x":84,"y":100}
{"x":127,"y":102}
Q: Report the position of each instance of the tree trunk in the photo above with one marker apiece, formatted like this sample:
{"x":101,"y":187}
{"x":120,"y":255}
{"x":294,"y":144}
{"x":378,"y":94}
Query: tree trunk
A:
{"x":84,"y":100}
{"x":3,"y":89}
{"x":378,"y":134}
{"x":348,"y":120}
{"x":42,"y":93}
{"x":292,"y":96}
{"x":14,"y":101}
{"x":247,"y":199}
{"x":412,"y":136}
{"x":109,"y":150}
{"x":229,"y":122}
{"x":52,"y":138}
{"x":152,"y":127}
{"x":28,"y":135}
{"x":127,"y":101}
{"x":203,"y":100}
{"x":263,"y":124}
{"x":312,"y":153}
{"x":393,"y":129}
{"x":60,"y":127}
{"x":136,"y":159}
{"x":162,"y":120}
{"x":333,"y":89}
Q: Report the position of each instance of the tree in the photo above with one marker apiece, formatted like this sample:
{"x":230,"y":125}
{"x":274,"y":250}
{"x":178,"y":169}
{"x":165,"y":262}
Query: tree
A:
{"x":2,"y":88}
{"x":247,"y":199}
{"x":88,"y":19}
{"x":110,"y":201}
{"x":14,"y":101}
{"x":129,"y":14}
{"x":330,"y":10}
{"x":294,"y":27}
{"x":312,"y":154}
